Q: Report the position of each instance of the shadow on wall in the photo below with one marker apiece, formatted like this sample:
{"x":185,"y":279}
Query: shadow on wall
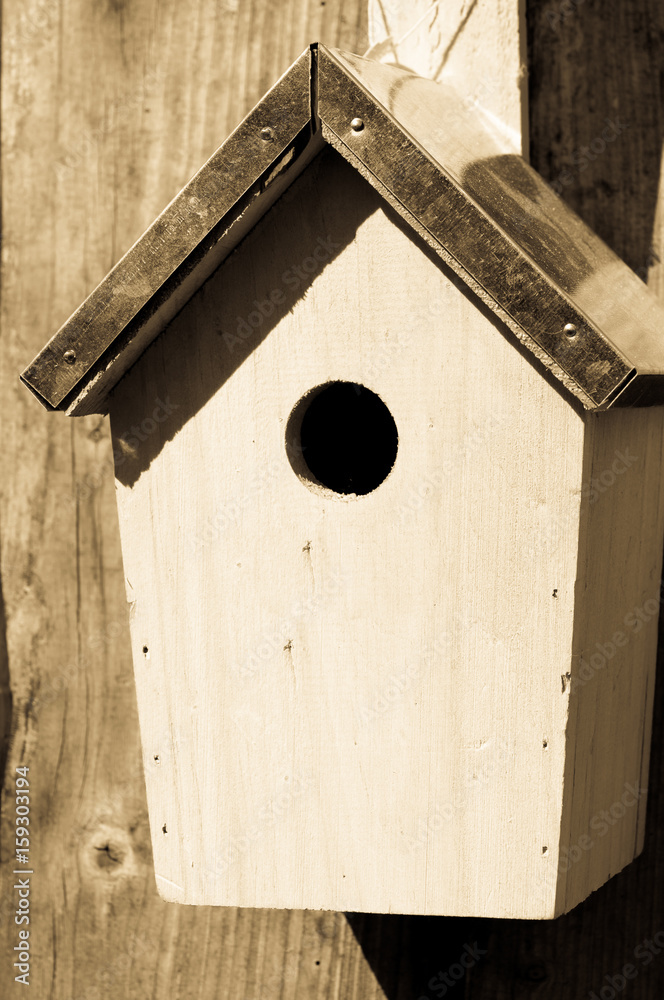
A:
{"x":420,"y":958}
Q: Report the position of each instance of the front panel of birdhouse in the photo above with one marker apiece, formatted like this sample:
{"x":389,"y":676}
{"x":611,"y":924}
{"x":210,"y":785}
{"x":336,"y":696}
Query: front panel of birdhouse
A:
{"x":366,"y":566}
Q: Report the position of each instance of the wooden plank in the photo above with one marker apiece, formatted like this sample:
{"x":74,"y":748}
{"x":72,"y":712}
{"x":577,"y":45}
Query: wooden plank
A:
{"x":616,"y":192}
{"x":478,"y":45}
{"x":587,"y":63}
{"x":612,"y":673}
{"x":107,"y":111}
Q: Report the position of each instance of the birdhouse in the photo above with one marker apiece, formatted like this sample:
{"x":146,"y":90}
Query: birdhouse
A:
{"x":388,"y":431}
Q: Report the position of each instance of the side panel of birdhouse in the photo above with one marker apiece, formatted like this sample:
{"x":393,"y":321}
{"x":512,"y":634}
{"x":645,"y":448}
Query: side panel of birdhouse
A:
{"x":611,"y":678}
{"x":351,"y":702}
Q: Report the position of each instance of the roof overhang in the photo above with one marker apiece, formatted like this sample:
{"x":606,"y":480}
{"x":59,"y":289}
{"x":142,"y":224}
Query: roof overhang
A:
{"x":492,"y":218}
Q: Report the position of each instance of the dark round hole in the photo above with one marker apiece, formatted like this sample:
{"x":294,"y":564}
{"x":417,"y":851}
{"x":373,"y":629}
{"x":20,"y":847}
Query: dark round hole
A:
{"x":342,"y":436}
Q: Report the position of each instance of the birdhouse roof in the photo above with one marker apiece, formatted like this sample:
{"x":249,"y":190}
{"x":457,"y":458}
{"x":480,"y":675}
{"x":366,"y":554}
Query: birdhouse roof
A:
{"x":434,"y":156}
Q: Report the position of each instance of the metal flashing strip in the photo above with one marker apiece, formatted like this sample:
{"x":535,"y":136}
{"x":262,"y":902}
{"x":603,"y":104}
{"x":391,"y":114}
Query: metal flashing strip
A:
{"x":482,"y":249}
{"x":250,"y":152}
{"x":90,"y":395}
{"x":572,"y":302}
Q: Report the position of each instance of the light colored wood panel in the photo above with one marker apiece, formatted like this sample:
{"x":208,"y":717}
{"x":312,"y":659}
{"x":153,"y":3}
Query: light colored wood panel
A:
{"x":322,"y":604}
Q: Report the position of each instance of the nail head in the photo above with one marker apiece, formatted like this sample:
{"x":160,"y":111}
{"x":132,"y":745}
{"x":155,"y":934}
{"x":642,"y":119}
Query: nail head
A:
{"x":357,"y":124}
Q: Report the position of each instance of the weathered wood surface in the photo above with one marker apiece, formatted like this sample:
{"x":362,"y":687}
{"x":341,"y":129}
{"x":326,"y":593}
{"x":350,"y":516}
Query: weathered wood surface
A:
{"x":107,"y":110}
{"x":590,"y":62}
{"x":86,"y":166}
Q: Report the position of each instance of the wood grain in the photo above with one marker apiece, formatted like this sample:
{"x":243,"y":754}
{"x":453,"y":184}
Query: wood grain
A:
{"x":589,"y":62}
{"x":68,"y":69}
{"x":477,"y":45}
{"x":107,"y":111}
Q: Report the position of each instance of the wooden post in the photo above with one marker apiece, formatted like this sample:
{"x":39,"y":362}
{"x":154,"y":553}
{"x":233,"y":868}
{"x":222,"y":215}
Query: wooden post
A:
{"x":478,"y":45}
{"x":108,"y":109}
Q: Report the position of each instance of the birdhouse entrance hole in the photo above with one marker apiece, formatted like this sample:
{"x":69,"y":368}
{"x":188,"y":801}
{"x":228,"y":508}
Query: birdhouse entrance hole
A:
{"x":342,"y":436}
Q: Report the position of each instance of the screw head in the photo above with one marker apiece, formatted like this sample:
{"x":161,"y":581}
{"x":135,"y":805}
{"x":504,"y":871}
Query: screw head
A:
{"x":267,"y":134}
{"x":357,"y":124}
{"x":570,"y":330}
{"x":69,"y":357}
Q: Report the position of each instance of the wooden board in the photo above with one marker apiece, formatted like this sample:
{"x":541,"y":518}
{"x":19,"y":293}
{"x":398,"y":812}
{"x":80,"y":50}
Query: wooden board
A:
{"x":612,"y":675}
{"x":243,"y":692}
{"x":107,"y":111}
{"x":616,"y":192}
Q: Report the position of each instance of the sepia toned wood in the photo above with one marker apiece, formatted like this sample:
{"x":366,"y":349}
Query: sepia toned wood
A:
{"x":107,"y":110}
{"x":618,"y":193}
{"x":587,"y":61}
{"x":246,"y":667}
{"x":271,"y":624}
{"x":478,"y":45}
{"x":612,"y":676}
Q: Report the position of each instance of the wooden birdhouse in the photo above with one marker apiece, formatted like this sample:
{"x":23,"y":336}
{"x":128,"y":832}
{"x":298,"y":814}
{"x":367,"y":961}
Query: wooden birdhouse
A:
{"x":388,"y":435}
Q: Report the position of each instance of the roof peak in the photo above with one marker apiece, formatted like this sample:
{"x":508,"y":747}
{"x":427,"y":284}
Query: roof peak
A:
{"x":487,"y":214}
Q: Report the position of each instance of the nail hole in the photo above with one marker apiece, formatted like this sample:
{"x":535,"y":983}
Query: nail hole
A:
{"x":163,"y":829}
{"x":157,"y":758}
{"x":545,"y":743}
{"x":545,"y":850}
{"x":146,"y":652}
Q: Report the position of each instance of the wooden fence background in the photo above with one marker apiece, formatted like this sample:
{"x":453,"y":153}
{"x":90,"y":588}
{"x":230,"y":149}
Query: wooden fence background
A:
{"x":108,"y":107}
